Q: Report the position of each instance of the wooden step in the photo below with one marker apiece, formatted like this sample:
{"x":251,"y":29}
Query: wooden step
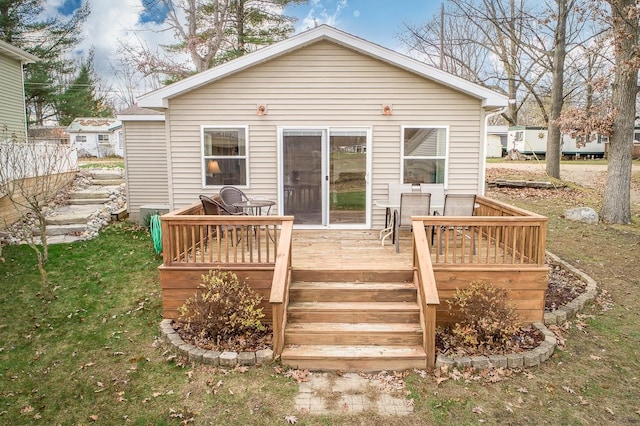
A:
{"x":327,"y":333}
{"x":352,"y":292}
{"x":354,"y":312}
{"x":354,"y":358}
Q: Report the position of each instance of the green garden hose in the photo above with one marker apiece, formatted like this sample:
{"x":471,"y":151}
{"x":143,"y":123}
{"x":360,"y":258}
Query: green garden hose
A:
{"x":156,"y":232}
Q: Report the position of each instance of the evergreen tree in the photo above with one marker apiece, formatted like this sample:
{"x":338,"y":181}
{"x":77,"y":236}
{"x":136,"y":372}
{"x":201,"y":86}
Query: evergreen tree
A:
{"x":80,"y":99}
{"x":48,"y":39}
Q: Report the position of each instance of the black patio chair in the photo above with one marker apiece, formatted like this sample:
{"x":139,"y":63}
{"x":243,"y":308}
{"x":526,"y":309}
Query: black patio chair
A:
{"x":230,"y":195}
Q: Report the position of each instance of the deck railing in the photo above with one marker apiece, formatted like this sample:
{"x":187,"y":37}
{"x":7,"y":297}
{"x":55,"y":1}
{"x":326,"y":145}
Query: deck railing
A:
{"x":425,"y":282}
{"x":497,"y":234}
{"x":189,"y":237}
{"x":279,"y":299}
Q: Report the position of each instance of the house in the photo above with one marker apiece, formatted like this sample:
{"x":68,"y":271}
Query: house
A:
{"x":528,"y":140}
{"x":322,"y":123}
{"x":12,"y":102}
{"x":327,"y":114}
{"x":97,"y":137}
{"x":576,"y":148}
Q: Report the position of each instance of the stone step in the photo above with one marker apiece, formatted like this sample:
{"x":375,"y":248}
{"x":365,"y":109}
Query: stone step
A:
{"x":56,"y":230}
{"x":87,"y":201}
{"x":106,"y":174}
{"x":408,"y":334}
{"x":354,"y":358}
{"x":97,"y":192}
{"x":69,"y":219}
{"x":107,"y":182}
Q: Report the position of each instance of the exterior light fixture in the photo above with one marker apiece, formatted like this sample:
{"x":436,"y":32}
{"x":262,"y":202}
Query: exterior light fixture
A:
{"x":387,"y":110}
{"x":262,"y":110}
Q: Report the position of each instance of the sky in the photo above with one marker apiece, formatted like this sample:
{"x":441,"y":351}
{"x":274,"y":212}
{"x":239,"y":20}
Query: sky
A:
{"x":113,"y":22}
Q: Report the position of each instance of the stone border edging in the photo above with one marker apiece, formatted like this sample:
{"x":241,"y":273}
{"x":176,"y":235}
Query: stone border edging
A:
{"x":544,"y":351}
{"x":530,"y":358}
{"x":568,"y":311}
{"x":209,"y":357}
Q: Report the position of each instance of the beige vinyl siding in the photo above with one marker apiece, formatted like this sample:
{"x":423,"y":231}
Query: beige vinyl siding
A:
{"x":146,"y":164}
{"x":323,"y":85}
{"x":12,"y":107}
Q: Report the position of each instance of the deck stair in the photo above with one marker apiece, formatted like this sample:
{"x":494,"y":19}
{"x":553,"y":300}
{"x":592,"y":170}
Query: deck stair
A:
{"x":364,"y":322}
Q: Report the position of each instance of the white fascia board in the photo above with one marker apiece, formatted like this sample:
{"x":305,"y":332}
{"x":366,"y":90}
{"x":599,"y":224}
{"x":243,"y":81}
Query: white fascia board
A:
{"x":160,"y":97}
{"x":150,"y":117}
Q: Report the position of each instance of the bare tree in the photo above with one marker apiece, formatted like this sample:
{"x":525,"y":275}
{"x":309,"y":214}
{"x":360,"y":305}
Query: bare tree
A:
{"x":31,"y":175}
{"x":626,"y":32}
{"x":209,"y":32}
{"x":558,"y":54}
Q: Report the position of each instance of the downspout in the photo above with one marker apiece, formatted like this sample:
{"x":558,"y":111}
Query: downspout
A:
{"x":483,"y":152}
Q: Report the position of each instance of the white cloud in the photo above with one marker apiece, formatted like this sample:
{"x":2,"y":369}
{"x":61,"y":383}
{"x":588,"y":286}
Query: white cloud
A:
{"x":323,"y":12}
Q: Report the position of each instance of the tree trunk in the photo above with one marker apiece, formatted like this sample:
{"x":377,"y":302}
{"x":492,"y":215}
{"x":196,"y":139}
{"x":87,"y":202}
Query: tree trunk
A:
{"x":617,"y":196}
{"x":557,"y":90}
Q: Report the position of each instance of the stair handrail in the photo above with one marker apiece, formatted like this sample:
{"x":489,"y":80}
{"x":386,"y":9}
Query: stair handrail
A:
{"x":425,"y":281}
{"x":279,"y":298}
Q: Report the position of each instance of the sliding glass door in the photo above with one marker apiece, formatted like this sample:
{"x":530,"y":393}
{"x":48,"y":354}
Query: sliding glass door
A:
{"x":324,"y":175}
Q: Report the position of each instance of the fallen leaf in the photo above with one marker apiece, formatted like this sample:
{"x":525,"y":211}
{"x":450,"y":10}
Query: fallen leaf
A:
{"x":609,"y":410}
{"x":241,"y":369}
{"x":94,"y":417}
{"x":292,"y":420}
{"x":156,"y":394}
{"x":477,"y":410}
{"x":509,"y":407}
{"x":568,"y":389}
{"x":523,"y":390}
{"x":595,"y":357}
{"x":440,"y":379}
{"x":26,"y":409}
{"x":344,"y":408}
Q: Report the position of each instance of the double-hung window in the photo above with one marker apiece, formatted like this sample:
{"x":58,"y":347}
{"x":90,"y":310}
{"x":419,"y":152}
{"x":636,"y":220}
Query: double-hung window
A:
{"x":424,"y":154}
{"x":224,"y":155}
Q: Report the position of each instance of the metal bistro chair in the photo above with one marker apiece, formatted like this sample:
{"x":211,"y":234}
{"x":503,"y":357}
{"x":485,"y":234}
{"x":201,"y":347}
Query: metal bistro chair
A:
{"x":215,"y":206}
{"x":411,"y":204}
{"x":230,"y":195}
{"x":457,"y":205}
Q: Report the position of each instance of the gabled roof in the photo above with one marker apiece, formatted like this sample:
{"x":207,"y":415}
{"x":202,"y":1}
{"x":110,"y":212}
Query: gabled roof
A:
{"x":93,"y":125}
{"x":159,"y":98}
{"x":17,"y":54}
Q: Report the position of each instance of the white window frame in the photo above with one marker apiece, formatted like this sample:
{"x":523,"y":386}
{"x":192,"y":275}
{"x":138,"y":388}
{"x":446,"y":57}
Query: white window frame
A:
{"x":444,"y":157}
{"x":100,"y":138}
{"x":203,"y":157}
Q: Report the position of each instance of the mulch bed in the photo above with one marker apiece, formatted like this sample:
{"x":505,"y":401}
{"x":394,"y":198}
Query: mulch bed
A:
{"x":563,"y":288}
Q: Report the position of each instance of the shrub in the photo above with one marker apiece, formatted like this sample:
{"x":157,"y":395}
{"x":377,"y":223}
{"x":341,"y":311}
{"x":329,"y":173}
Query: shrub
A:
{"x":488,"y":320}
{"x":222,"y":309}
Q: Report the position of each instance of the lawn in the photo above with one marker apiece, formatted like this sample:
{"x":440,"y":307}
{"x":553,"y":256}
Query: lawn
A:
{"x":92,"y":355}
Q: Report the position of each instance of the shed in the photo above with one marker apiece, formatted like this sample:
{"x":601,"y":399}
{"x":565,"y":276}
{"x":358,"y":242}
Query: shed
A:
{"x":321,"y":123}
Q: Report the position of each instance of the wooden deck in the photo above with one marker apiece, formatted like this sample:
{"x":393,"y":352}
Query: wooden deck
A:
{"x":348,"y":250}
{"x":338,"y":299}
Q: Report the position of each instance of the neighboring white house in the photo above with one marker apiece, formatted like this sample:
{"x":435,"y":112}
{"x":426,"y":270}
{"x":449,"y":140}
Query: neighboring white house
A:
{"x":530,"y":140}
{"x":321,"y":123}
{"x":97,"y":137}
{"x":496,"y":141}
